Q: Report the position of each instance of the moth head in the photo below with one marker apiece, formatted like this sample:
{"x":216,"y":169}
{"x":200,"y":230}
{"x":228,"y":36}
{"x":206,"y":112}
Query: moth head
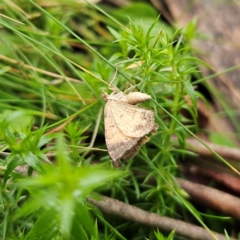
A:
{"x":104,"y":96}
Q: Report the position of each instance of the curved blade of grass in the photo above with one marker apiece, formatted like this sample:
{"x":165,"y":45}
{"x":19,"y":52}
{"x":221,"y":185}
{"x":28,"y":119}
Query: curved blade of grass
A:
{"x":194,"y":60}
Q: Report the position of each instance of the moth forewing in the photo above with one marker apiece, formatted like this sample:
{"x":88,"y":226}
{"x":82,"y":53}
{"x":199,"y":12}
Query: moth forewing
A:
{"x":133,"y":121}
{"x":134,"y":150}
{"x":117,"y":142}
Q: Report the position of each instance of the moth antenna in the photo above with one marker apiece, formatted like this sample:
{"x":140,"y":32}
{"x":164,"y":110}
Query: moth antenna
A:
{"x":111,"y":86}
{"x":134,"y":86}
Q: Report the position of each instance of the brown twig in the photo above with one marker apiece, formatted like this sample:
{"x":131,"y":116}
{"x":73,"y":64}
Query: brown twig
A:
{"x":226,"y":152}
{"x":118,"y":208}
{"x":214,"y":173}
{"x":212,"y":198}
{"x":207,"y":196}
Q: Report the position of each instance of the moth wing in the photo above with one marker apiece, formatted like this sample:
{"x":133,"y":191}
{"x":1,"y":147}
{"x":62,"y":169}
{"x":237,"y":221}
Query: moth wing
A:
{"x":134,"y":150}
{"x":133,"y":121}
{"x":117,"y":142}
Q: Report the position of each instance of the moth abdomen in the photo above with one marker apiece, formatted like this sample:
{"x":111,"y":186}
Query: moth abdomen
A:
{"x":135,"y":97}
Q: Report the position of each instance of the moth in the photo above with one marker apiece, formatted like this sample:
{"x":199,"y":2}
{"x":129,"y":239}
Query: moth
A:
{"x":126,"y":125}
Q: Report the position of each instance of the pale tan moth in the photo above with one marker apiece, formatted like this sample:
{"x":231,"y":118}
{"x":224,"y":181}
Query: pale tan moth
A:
{"x":126,"y":125}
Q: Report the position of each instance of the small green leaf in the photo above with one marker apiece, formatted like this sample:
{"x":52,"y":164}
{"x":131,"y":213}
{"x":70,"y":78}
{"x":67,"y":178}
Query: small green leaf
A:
{"x":191,"y":92}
